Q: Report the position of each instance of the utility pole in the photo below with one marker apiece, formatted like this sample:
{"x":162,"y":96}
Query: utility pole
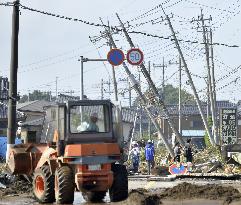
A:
{"x":153,"y":88}
{"x":56,"y":89}
{"x":163,"y":79}
{"x":215,"y":127}
{"x":143,"y":99}
{"x":190,"y":79}
{"x":102,"y":89}
{"x":129,"y":84}
{"x":179,"y":97}
{"x":210,"y":93}
{"x":113,"y":72}
{"x":81,"y":77}
{"x":208,"y":100}
{"x":12,"y":92}
{"x":140,"y":117}
{"x":149,"y":120}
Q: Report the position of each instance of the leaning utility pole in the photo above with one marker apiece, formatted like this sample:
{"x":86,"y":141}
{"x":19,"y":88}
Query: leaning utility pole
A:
{"x":215,"y":127}
{"x":190,"y":79}
{"x":141,"y":110}
{"x":143,"y":99}
{"x":149,"y":120}
{"x":12,"y":92}
{"x":129,"y":90}
{"x":153,"y":88}
{"x":210,"y":94}
{"x":179,"y":97}
{"x":113,"y":73}
{"x":163,"y":79}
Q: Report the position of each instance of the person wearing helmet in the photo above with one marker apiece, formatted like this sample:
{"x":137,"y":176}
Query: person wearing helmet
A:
{"x":135,"y":157}
{"x":149,"y":154}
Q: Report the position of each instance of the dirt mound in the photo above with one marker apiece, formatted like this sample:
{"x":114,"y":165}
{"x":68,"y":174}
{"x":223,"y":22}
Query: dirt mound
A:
{"x":142,"y":197}
{"x":209,"y":191}
{"x":17,"y":187}
{"x":183,"y":191}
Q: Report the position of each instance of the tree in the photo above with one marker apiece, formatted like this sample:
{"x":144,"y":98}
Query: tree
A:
{"x":37,"y":95}
{"x":171,"y":96}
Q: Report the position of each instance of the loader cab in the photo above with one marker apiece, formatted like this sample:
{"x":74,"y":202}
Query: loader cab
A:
{"x":89,"y":121}
{"x":73,"y":123}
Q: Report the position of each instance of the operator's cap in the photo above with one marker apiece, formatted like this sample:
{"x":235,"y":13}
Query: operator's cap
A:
{"x":148,"y":141}
{"x":94,"y":114}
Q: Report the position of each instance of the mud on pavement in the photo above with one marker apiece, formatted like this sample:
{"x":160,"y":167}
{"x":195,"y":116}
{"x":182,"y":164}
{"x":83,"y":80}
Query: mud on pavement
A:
{"x":17,"y":187}
{"x":184,"y":191}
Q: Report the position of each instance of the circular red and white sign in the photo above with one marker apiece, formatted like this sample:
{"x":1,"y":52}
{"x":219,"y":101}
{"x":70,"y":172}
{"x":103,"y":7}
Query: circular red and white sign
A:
{"x":135,"y":56}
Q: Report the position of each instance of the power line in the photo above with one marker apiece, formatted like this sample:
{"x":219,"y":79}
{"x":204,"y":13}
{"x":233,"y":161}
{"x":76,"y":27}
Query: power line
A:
{"x":56,"y":15}
{"x":181,"y":40}
{"x":211,"y":7}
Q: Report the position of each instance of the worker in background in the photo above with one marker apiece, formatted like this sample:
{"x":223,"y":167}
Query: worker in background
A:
{"x":177,"y":152}
{"x":188,"y":151}
{"x":135,"y":157}
{"x":149,"y":154}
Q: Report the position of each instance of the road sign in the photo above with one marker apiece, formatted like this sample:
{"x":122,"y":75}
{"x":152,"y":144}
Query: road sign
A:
{"x":177,"y":169}
{"x":115,"y":56}
{"x":228,"y":125}
{"x":135,"y":56}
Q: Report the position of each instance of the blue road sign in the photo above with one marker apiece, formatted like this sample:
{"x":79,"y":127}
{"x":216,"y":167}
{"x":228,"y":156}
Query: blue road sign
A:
{"x":115,"y":56}
{"x":177,"y":169}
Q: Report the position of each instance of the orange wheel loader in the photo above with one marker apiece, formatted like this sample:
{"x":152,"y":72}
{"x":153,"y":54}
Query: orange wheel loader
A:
{"x":80,"y":149}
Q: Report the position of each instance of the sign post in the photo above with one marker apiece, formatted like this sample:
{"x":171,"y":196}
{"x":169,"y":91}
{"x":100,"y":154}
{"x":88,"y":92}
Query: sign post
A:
{"x":228,"y":125}
{"x":135,"y":56}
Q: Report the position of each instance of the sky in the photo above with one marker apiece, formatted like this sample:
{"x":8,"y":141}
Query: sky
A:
{"x":50,"y":47}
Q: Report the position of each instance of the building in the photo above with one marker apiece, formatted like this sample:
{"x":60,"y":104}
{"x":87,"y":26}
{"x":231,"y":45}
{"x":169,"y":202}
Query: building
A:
{"x":191,"y":123}
{"x":31,"y":127}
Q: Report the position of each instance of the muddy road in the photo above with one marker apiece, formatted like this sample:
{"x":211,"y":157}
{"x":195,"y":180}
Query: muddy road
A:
{"x":180,"y":191}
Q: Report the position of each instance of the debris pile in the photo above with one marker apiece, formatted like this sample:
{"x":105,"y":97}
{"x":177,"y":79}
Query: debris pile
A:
{"x":184,"y":191}
{"x":209,"y":191}
{"x":13,"y":185}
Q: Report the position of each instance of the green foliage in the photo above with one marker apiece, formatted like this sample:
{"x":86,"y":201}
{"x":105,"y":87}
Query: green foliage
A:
{"x":171,"y":96}
{"x":37,"y":95}
{"x":75,"y":120}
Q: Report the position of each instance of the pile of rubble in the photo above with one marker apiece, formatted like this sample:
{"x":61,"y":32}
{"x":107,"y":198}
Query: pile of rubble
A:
{"x":208,"y":160}
{"x":184,"y":191}
{"x":12,"y":185}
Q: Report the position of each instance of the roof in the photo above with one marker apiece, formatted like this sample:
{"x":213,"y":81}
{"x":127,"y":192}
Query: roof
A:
{"x":193,"y":109}
{"x":193,"y":133}
{"x":187,"y":109}
{"x":33,"y":106}
{"x":35,"y":122}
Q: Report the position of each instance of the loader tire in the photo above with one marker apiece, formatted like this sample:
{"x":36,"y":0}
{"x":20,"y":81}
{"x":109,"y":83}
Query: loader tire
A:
{"x":43,"y":185}
{"x":64,"y":185}
{"x":94,"y":196}
{"x":119,"y":188}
